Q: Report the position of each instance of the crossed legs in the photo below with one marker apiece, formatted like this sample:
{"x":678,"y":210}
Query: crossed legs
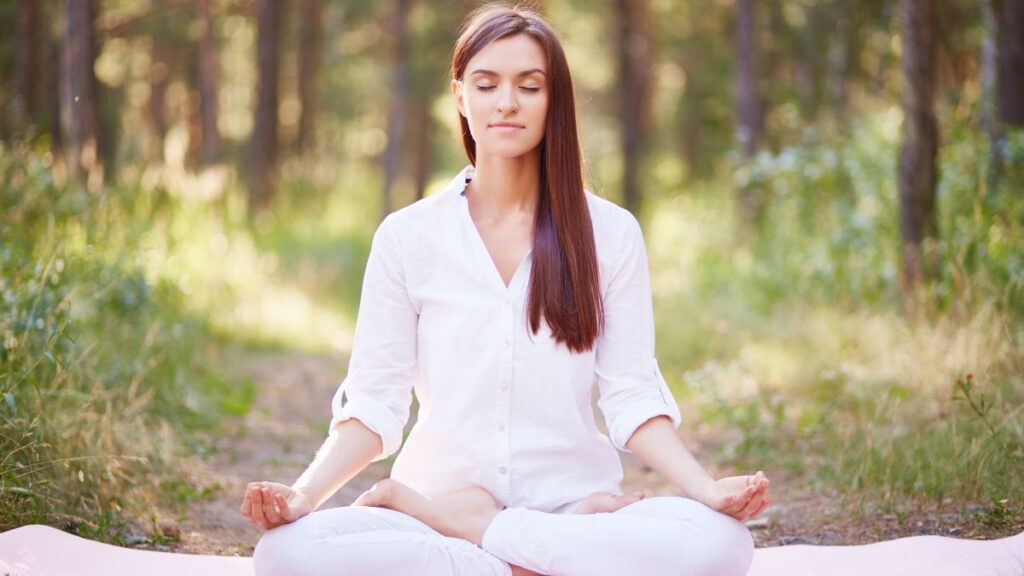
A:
{"x":394,"y":530}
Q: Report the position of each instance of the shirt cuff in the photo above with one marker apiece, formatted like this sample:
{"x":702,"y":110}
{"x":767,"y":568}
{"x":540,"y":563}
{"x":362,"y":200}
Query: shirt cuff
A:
{"x":375,"y":416}
{"x":622,"y":429}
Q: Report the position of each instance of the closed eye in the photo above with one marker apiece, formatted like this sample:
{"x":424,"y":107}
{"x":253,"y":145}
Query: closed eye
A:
{"x":489,"y":88}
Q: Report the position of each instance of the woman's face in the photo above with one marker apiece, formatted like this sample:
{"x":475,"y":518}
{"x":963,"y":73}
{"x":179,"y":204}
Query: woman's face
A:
{"x":504,"y":96}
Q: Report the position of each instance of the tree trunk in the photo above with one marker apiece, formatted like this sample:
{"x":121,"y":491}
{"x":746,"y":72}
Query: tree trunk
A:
{"x":692,"y":127}
{"x":399,"y":92}
{"x":918,"y":172}
{"x":263,"y":148}
{"x":23,"y":107}
{"x":159,"y":76}
{"x":310,"y":53}
{"x":635,"y":63}
{"x":52,"y":79}
{"x":748,"y":107}
{"x":208,"y":82}
{"x":78,"y":87}
{"x":1011,"y":63}
{"x":988,"y":69}
{"x":989,"y":112}
{"x":839,"y":63}
{"x":422,"y":132}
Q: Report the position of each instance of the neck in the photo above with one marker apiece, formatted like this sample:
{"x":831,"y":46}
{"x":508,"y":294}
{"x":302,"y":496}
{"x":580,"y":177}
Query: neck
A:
{"x":506,"y":186}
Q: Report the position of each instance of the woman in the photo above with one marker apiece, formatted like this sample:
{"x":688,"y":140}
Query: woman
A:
{"x":501,"y":301}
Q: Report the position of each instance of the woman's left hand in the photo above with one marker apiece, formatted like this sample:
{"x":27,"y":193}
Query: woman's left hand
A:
{"x":742,"y":497}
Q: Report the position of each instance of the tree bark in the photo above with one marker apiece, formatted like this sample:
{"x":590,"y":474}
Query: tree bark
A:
{"x":208,"y":82}
{"x":399,"y":94}
{"x":310,"y":53}
{"x":989,"y":111}
{"x":989,"y":53}
{"x":748,"y":106}
{"x":918,"y":172}
{"x":692,"y":141}
{"x":78,"y":91}
{"x":159,"y":78}
{"x":635,"y":62}
{"x":263,"y":147}
{"x":23,"y":107}
{"x":1011,"y":63}
{"x":422,"y":133}
{"x":839,"y":63}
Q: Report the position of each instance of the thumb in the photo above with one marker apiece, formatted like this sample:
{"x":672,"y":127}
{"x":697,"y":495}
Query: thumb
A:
{"x":282,"y":505}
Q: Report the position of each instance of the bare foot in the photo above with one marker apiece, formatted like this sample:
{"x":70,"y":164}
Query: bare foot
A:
{"x":463,"y":514}
{"x":606,"y":502}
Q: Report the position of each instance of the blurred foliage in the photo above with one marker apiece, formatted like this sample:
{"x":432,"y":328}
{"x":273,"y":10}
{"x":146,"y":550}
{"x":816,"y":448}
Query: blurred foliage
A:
{"x":797,"y":348}
{"x":792,"y":352}
{"x":105,"y":375}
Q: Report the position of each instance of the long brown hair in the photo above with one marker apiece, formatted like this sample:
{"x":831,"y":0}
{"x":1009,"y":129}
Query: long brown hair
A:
{"x":564,"y":283}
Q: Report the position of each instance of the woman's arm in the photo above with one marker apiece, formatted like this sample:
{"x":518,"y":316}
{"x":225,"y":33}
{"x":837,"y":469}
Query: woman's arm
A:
{"x":658,"y":446}
{"x":371,"y":407}
{"x":348,"y":449}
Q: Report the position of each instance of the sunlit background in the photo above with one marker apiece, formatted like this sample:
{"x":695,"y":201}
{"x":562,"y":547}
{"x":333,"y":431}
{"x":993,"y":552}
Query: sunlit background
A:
{"x":184,"y":182}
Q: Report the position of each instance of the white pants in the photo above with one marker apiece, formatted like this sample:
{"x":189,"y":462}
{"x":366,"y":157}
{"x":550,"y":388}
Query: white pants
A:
{"x":660,"y":535}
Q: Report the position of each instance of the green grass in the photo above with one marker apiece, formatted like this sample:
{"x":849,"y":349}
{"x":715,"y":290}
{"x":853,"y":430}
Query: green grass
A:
{"x":108,"y":374}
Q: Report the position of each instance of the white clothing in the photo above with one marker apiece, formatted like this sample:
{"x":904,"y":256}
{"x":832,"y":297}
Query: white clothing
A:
{"x":658,"y":536}
{"x":500,"y":407}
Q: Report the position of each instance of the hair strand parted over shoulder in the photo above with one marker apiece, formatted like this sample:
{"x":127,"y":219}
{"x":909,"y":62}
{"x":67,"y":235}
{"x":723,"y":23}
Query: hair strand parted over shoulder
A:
{"x":564,"y":282}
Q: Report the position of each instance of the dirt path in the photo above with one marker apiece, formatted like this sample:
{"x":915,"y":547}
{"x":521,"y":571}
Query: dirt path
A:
{"x":278,"y":438}
{"x":275,"y":441}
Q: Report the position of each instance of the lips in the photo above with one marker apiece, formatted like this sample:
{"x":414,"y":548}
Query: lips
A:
{"x":506,"y":125}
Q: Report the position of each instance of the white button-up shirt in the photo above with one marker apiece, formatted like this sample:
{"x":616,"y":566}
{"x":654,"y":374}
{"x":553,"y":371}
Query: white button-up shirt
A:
{"x":500,"y":407}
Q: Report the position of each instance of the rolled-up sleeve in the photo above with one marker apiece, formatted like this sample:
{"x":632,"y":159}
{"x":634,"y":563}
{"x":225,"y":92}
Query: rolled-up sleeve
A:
{"x":378,"y":387}
{"x":631,"y":386}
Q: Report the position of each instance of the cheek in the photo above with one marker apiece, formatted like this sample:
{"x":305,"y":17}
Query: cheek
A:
{"x":540,"y":117}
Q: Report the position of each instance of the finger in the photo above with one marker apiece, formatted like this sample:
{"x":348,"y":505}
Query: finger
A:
{"x":764,"y":505}
{"x":246,"y":509}
{"x":257,"y":507}
{"x":743,"y":499}
{"x":732,"y":504}
{"x":752,"y":505}
{"x":282,"y":504}
{"x":270,"y":510}
{"x":743,"y":496}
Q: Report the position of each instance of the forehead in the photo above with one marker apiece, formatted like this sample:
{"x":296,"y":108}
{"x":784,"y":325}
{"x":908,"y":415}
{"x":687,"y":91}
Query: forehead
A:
{"x":509,"y":56}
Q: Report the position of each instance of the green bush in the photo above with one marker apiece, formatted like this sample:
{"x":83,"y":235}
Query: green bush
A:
{"x":103,"y":373}
{"x":796,"y":347}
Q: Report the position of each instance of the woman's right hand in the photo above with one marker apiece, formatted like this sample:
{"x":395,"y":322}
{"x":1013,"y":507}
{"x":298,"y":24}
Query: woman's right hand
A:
{"x":269,"y":504}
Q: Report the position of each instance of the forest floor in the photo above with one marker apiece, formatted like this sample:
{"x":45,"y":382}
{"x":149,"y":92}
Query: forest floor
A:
{"x":289,"y":417}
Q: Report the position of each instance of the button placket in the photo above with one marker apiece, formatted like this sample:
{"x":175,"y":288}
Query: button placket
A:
{"x":507,"y":328}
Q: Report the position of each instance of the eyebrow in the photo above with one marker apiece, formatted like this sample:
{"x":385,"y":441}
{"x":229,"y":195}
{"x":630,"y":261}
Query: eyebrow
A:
{"x":521,"y":74}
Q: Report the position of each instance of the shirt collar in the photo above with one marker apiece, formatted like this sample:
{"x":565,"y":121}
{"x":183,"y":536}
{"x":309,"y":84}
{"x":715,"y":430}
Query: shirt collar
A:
{"x":463,"y":178}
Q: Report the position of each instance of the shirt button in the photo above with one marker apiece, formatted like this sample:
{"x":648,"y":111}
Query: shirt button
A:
{"x":503,"y":470}
{"x":504,"y":386}
{"x":501,"y":426}
{"x":508,"y":341}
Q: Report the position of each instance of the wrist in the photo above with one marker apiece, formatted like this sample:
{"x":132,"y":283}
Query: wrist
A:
{"x":701,"y":490}
{"x":303,"y":496}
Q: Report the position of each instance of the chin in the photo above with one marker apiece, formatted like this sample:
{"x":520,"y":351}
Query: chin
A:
{"x":505,"y":151}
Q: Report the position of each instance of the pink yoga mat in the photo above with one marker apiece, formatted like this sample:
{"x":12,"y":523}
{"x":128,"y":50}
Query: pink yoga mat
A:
{"x":44,"y":551}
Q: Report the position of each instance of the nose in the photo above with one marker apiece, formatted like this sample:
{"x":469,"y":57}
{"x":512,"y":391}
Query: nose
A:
{"x":507,"y":102}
